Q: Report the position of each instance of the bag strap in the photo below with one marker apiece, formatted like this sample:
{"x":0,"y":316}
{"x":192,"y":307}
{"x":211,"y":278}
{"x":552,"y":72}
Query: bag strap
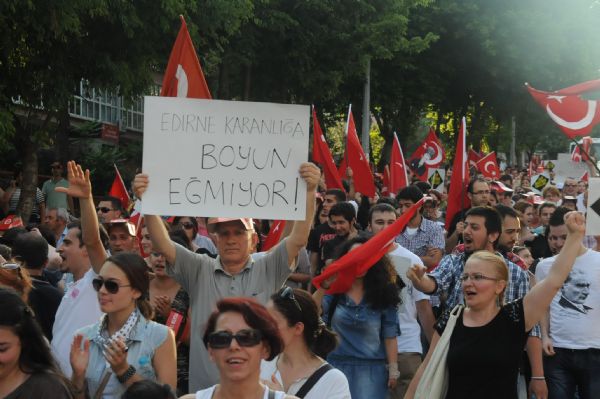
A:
{"x":313,"y":379}
{"x":271,"y":394}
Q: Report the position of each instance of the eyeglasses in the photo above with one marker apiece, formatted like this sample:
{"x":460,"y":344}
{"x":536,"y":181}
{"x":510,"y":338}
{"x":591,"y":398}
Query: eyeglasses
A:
{"x":288,"y":293}
{"x":187,"y":225}
{"x":476,"y":277}
{"x":111,"y":286}
{"x":246,"y":338}
{"x":103,"y":209}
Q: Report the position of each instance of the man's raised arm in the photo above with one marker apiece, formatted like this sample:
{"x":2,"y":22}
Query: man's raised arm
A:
{"x":156,"y":228}
{"x":298,"y":238}
{"x":80,"y":187}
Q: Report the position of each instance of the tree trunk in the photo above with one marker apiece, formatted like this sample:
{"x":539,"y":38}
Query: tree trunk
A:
{"x":247,"y":82}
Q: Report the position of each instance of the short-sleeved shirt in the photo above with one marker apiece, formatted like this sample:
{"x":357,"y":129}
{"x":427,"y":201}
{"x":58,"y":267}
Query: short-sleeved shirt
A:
{"x":41,"y":386}
{"x":207,"y":282}
{"x":361,"y":328}
{"x":429,"y":234}
{"x":14,"y":201}
{"x":483,"y":362}
{"x":53,"y":198}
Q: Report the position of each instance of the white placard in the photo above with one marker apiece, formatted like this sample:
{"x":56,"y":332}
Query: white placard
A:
{"x":538,"y":182}
{"x":436,"y":176}
{"x":224,"y":158}
{"x":401,"y":264}
{"x":592,"y":222}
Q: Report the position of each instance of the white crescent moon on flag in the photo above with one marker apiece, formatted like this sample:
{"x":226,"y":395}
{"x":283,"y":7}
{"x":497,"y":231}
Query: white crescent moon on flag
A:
{"x":182,"y":82}
{"x":575,"y":125}
{"x":438,"y":155}
{"x":485,"y":167}
{"x":399,"y":164}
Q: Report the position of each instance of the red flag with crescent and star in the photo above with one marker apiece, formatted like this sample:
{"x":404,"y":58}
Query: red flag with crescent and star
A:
{"x":385,"y":189}
{"x":274,"y":235}
{"x":474,"y":157}
{"x":184,"y":76}
{"x":322,"y":155}
{"x":430,"y":154}
{"x":118,"y":189}
{"x":358,"y":261}
{"x":398,"y":178}
{"x":488,"y":166}
{"x":574,"y":115}
{"x":577,"y":155}
{"x":357,"y":161}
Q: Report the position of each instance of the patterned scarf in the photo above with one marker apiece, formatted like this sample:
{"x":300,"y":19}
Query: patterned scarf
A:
{"x":123,"y":333}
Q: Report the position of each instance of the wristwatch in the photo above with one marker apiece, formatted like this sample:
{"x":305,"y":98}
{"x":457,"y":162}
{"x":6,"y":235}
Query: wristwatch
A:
{"x":126,"y":375}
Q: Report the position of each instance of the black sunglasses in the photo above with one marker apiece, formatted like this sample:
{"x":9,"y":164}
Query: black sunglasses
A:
{"x":103,"y":209}
{"x":111,"y":286}
{"x":187,"y":225}
{"x":288,"y":293}
{"x":222,"y":339}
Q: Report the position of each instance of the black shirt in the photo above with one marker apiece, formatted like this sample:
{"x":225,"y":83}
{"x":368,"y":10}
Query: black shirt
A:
{"x":483,"y":362}
{"x":44,"y":299}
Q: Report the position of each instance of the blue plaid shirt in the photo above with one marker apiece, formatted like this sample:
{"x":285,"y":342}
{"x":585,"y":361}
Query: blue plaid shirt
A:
{"x":429,"y":234}
{"x":449,"y":287}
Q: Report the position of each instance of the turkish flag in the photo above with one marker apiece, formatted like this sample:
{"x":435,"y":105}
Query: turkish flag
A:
{"x":138,"y":219}
{"x":488,"y":166}
{"x":577,"y":155}
{"x":274,"y":235}
{"x":385,"y":189}
{"x":430,"y":154}
{"x":357,"y":161}
{"x":585,"y":177}
{"x":457,"y":194}
{"x":322,"y":155}
{"x":474,"y":157}
{"x":358,"y":261}
{"x":574,"y":115}
{"x":398,"y":178}
{"x":183,"y":76}
{"x":118,"y":190}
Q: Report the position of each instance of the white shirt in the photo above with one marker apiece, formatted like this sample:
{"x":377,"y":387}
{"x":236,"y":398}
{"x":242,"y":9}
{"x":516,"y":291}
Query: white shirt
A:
{"x":410,"y":339}
{"x":332,"y":385}
{"x":78,"y":308}
{"x":575,"y":310}
{"x":209,"y":392}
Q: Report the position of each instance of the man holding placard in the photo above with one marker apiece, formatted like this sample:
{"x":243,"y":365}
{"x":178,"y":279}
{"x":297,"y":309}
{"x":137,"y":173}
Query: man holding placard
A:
{"x":233,"y":272}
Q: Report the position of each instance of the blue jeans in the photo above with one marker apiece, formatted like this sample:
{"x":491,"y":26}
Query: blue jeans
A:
{"x":571,"y":370}
{"x":367,"y":378}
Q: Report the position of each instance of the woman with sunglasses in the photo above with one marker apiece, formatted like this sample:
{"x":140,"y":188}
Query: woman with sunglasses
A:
{"x":171,"y":307}
{"x":198,"y":244}
{"x":125,"y":346}
{"x":239,"y":334}
{"x":487,"y":341}
{"x":27,"y":368}
{"x":300,"y":369}
{"x":366,"y":320}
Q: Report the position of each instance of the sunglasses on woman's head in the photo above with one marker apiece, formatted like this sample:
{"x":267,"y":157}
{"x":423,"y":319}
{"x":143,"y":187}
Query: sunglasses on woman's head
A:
{"x":112,"y":287}
{"x":288,"y":293}
{"x":10,"y":266}
{"x":222,"y":339}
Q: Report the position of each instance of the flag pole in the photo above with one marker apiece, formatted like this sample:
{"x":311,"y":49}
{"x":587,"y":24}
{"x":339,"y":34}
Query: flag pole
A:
{"x":346,"y":142}
{"x":584,"y":152}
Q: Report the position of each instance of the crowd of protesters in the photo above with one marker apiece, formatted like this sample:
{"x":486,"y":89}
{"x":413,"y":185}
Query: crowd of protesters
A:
{"x":505,"y":296}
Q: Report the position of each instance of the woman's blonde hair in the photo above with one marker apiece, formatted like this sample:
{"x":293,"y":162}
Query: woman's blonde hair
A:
{"x":18,"y":279}
{"x":500,"y":268}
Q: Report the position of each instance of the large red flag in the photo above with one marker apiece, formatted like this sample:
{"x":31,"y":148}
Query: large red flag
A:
{"x":574,"y":115}
{"x":183,"y":76}
{"x":488,"y":166}
{"x":474,"y":157}
{"x":357,"y":161}
{"x":358,"y":261}
{"x":457,"y":194}
{"x":118,"y":190}
{"x":322,"y":155}
{"x":398,"y":178}
{"x":430,"y":154}
{"x":274,"y":235}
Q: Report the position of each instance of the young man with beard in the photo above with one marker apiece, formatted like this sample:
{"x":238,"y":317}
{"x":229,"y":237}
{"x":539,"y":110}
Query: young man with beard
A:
{"x":79,"y":306}
{"x":342,"y":218}
{"x":483,"y":227}
{"x":322,"y":233}
{"x":553,"y":239}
